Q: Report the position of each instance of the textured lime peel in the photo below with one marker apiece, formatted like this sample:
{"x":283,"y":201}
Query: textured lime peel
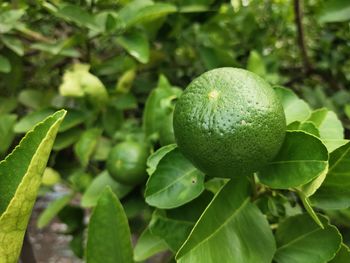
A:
{"x":229,"y":122}
{"x":20,"y":178}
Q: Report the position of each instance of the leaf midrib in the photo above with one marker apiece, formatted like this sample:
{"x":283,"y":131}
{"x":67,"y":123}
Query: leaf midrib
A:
{"x":297,"y":239}
{"x":220,"y":227}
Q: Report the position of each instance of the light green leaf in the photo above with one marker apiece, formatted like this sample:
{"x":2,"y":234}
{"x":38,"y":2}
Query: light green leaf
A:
{"x":136,"y":44}
{"x":14,"y":44}
{"x":35,"y":99}
{"x":9,"y":19}
{"x":53,"y":209}
{"x":302,"y":158}
{"x":154,"y":159}
{"x":20,"y":178}
{"x":28,"y":121}
{"x":86,"y":145}
{"x":256,"y":64}
{"x":100,"y":182}
{"x":300,"y":239}
{"x":7,"y":123}
{"x":334,"y":11}
{"x":330,"y":127}
{"x":148,"y":245}
{"x":175,"y":182}
{"x":334,"y":193}
{"x":295,"y":109}
{"x":109,"y":238}
{"x":57,"y":48}
{"x":79,"y":82}
{"x":343,"y":255}
{"x":50,"y":177}
{"x":230,"y":228}
{"x":5,"y":65}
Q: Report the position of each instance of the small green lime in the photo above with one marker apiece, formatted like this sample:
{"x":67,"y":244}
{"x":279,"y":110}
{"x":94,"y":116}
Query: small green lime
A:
{"x":126,"y":162}
{"x":229,"y":122}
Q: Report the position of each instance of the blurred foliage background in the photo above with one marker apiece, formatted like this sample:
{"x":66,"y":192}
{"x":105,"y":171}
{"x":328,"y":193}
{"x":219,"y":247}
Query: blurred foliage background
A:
{"x":118,"y":67}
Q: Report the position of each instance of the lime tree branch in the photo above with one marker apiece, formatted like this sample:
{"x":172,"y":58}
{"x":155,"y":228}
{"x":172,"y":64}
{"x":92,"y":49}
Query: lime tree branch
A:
{"x":301,"y":36}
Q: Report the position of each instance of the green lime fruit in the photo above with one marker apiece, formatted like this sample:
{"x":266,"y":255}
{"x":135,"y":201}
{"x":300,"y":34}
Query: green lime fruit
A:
{"x":229,"y":122}
{"x":126,"y":162}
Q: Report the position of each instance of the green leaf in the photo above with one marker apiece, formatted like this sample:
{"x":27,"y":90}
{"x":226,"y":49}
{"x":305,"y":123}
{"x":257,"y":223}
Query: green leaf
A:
{"x":159,"y":107}
{"x":7,"y":105}
{"x":35,"y":99}
{"x":73,"y":119}
{"x":154,"y":159}
{"x":28,"y":121}
{"x":5,"y":65}
{"x":148,"y":245}
{"x":78,"y":15}
{"x":138,"y":12}
{"x":136,"y":44}
{"x":334,"y":11}
{"x":66,"y":139}
{"x":302,"y":158}
{"x":256,"y":64}
{"x":330,"y":127}
{"x":86,"y":145}
{"x":100,"y":182}
{"x":300,"y":239}
{"x":175,"y":182}
{"x":20,"y":178}
{"x":9,"y":19}
{"x":173,"y":231}
{"x":231,"y":228}
{"x":343,"y":255}
{"x":79,"y":82}
{"x":7,"y":123}
{"x":53,"y":209}
{"x":335,"y":191}
{"x":14,"y":44}
{"x":109,"y":238}
{"x":306,"y":126}
{"x":295,"y":109}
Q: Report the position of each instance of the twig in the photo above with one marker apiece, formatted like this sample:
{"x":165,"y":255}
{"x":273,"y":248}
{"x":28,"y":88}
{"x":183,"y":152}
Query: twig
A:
{"x":301,"y":37}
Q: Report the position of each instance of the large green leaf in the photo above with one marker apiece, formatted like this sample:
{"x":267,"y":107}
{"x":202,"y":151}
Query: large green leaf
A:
{"x":335,"y":190}
{"x":148,"y":245}
{"x":295,"y":109}
{"x":7,"y":123}
{"x":302,"y":158}
{"x":100,"y":182}
{"x":231,"y":229}
{"x":343,"y":255}
{"x":175,"y":182}
{"x":109,"y":239}
{"x":136,"y":44}
{"x":300,"y":239}
{"x":334,"y":11}
{"x":20,"y":178}
{"x":330,"y":128}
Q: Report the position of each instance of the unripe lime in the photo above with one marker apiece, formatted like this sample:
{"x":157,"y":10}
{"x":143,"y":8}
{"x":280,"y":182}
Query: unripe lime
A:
{"x":229,"y":122}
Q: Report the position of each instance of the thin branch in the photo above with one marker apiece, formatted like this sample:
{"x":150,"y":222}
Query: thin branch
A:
{"x":301,"y":37}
